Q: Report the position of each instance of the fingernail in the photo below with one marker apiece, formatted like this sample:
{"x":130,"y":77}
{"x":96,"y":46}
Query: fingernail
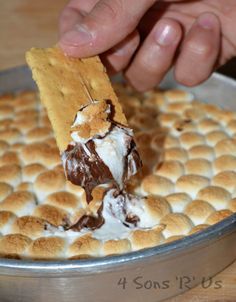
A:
{"x":207,"y":21}
{"x":80,"y":35}
{"x":165,"y":34}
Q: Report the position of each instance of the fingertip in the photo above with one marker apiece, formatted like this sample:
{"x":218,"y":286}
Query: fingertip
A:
{"x":186,"y":79}
{"x":69,"y":50}
{"x":167,"y":32}
{"x":155,"y":57}
{"x":209,"y":21}
{"x":200,"y":51}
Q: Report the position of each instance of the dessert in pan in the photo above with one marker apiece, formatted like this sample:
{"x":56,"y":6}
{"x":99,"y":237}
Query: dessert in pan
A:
{"x":187,"y":181}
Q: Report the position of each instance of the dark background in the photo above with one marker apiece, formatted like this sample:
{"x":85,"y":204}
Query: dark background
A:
{"x":229,"y":69}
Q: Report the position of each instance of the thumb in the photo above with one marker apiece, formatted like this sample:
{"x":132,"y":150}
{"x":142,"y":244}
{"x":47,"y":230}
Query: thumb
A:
{"x":108,"y":23}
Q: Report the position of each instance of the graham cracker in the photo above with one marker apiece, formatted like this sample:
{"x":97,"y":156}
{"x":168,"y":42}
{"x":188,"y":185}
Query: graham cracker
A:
{"x":61,"y":81}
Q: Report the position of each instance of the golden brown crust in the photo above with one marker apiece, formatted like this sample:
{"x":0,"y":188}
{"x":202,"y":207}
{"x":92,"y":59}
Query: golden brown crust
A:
{"x":198,"y":228}
{"x":146,"y":238}
{"x":6,"y":218}
{"x":61,"y":83}
{"x":47,"y":248}
{"x":85,"y":245}
{"x":5,"y":190}
{"x":157,"y":185}
{"x":14,"y":244}
{"x":29,"y":226}
{"x":10,"y":174}
{"x":49,"y":182}
{"x":114,"y":247}
{"x":198,"y":211}
{"x":156,"y":207}
{"x":216,"y":196}
{"x":18,"y":202}
{"x":176,"y":224}
{"x":217,"y":216}
{"x":51,"y":214}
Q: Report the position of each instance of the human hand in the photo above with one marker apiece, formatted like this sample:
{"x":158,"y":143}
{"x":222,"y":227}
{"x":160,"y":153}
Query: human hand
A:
{"x":145,"y":38}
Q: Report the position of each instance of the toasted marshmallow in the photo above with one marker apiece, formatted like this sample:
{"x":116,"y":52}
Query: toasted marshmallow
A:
{"x":31,"y":171}
{"x":226,"y":179}
{"x":5,"y":190}
{"x":40,"y":153}
{"x":170,"y":169}
{"x":198,"y":228}
{"x":217,"y":216}
{"x":225,"y":163}
{"x":64,"y":200}
{"x":226,"y":147}
{"x":146,"y":238}
{"x":208,"y":125}
{"x":157,"y":185}
{"x":176,"y":224}
{"x":29,"y":226}
{"x":10,"y":158}
{"x":48,"y":182}
{"x":4,"y":146}
{"x":14,"y":245}
{"x":10,"y":174}
{"x":38,"y":134}
{"x":214,"y":137}
{"x":199,"y":166}
{"x":202,"y":151}
{"x":115,"y":247}
{"x":216,"y":196}
{"x":191,"y":184}
{"x":198,"y":211}
{"x":85,"y":245}
{"x":232,"y":205}
{"x":6,"y":220}
{"x":54,"y":216}
{"x":12,"y":135}
{"x":176,"y":95}
{"x":47,"y":248}
{"x":20,"y":203}
{"x":178,"y":154}
{"x":178,"y":201}
{"x":191,"y":139}
{"x":187,"y":182}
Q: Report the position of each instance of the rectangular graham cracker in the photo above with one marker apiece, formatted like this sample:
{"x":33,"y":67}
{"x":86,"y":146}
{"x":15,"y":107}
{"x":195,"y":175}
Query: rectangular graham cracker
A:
{"x":61,"y":80}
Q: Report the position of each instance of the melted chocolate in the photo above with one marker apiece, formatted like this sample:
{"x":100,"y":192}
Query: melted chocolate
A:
{"x":122,"y":198}
{"x":133,"y":162}
{"x":89,"y":222}
{"x":85,"y":168}
{"x":134,"y":219}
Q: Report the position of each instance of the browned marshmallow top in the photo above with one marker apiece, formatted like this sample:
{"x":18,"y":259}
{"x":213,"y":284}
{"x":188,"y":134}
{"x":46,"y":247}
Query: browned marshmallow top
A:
{"x":186,"y":183}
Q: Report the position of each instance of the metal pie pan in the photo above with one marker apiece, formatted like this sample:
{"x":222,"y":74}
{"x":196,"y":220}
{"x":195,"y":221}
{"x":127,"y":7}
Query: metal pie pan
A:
{"x":152,"y":274}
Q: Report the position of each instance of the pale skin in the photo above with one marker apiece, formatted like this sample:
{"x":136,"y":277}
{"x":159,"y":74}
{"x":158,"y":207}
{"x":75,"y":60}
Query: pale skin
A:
{"x":145,"y":38}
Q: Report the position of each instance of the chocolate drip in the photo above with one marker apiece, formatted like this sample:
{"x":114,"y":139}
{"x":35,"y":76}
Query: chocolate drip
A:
{"x":134,"y":219}
{"x":122,"y":200}
{"x":133,"y":161}
{"x":89,"y":222}
{"x":84,"y":167}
